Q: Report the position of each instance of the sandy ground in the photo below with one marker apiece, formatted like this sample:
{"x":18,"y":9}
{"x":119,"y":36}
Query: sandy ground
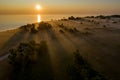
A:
{"x":4,"y":37}
{"x":101,"y":46}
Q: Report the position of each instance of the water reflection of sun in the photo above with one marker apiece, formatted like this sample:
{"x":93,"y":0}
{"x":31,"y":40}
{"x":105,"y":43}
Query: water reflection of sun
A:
{"x":38,"y":18}
{"x":38,"y":7}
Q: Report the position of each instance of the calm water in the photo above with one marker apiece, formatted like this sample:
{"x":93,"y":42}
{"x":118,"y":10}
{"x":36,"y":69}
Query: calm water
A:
{"x":8,"y":22}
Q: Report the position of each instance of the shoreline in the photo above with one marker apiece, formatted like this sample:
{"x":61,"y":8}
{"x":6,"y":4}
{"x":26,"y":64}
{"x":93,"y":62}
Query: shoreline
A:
{"x":97,"y":40}
{"x":85,"y":16}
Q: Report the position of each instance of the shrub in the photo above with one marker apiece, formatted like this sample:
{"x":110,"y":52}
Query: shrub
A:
{"x":61,"y":31}
{"x":33,"y":30}
{"x":86,"y":33}
{"x":24,"y":57}
{"x":74,"y":18}
{"x":67,"y":29}
{"x":101,"y":17}
{"x":87,"y":28}
{"x":104,"y":26}
{"x":115,"y":16}
{"x":82,"y":70}
{"x":44,"y":26}
{"x":12,"y":57}
{"x":25,"y":52}
{"x":114,"y":22}
{"x":29,"y":27}
{"x":75,"y":29}
{"x":24,"y":28}
{"x":21,"y":58}
{"x":78,"y":58}
{"x":61,"y":25}
{"x":78,"y":18}
{"x":71,"y":30}
{"x":90,"y":17}
{"x":81,"y":23}
{"x":71,"y":18}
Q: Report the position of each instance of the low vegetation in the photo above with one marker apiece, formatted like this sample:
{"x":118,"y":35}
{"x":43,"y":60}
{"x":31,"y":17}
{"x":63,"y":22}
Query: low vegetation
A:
{"x":24,"y":57}
{"x":24,"y":28}
{"x":29,"y":28}
{"x":74,"y":30}
{"x":104,"y":17}
{"x":33,"y":61}
{"x":33,"y":29}
{"x":104,"y":26}
{"x":61,"y":31}
{"x":30,"y":61}
{"x":44,"y":26}
{"x":71,"y":30}
{"x":75,"y":18}
{"x":82,"y":70}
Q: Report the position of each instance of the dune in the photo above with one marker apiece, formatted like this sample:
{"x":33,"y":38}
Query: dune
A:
{"x":96,"y":39}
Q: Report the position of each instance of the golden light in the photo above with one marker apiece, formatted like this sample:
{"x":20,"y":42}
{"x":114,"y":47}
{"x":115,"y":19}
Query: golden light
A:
{"x":38,"y":7}
{"x":39,"y":18}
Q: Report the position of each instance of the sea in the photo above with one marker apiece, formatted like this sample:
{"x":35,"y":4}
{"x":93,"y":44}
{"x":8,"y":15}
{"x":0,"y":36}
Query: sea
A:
{"x":8,"y":22}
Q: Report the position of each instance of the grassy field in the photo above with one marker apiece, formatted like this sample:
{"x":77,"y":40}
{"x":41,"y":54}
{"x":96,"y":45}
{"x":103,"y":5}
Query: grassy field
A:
{"x":96,"y":39}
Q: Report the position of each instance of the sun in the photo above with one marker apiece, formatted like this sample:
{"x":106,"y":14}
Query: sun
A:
{"x":38,"y":7}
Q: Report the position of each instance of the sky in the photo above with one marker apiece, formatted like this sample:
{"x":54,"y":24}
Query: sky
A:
{"x":60,"y":6}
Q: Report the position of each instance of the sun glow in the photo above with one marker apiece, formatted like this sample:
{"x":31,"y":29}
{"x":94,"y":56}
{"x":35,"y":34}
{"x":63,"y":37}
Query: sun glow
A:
{"x":38,"y":7}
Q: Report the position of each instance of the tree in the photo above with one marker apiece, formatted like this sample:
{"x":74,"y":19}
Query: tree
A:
{"x":12,"y":57}
{"x":33,"y":30}
{"x":44,"y":26}
{"x":82,"y":70}
{"x":71,"y":18}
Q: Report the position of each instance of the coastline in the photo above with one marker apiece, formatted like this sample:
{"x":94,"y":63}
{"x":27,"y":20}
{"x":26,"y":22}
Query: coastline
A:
{"x":97,"y":40}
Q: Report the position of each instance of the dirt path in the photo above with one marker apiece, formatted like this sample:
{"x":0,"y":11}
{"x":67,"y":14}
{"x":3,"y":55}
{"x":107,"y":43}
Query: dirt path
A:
{"x":4,"y":57}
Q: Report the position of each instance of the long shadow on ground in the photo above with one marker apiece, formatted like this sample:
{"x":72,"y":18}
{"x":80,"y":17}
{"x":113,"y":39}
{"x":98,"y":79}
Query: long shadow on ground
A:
{"x":13,"y":41}
{"x":61,"y":58}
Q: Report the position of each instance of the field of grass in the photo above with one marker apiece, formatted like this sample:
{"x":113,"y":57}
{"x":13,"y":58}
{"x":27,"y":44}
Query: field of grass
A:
{"x":97,"y":40}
